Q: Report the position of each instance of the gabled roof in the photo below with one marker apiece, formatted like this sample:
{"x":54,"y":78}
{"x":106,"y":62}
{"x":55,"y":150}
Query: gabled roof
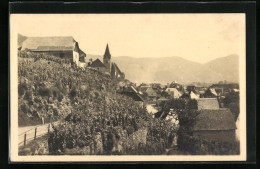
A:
{"x":114,"y":65}
{"x":144,"y":88}
{"x":130,"y":89}
{"x":208,"y":103}
{"x":150,"y":90}
{"x":97,"y":63}
{"x":221,"y":119}
{"x":194,"y":95}
{"x":175,"y":91}
{"x":133,"y":93}
{"x":135,"y":96}
{"x":65,"y":43}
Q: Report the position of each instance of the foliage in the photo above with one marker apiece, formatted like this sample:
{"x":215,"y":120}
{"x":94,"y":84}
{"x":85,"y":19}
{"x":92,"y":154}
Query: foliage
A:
{"x":231,"y":101}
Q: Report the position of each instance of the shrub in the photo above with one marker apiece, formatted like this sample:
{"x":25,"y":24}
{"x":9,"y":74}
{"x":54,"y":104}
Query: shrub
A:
{"x":44,"y":92}
{"x":55,"y":112}
{"x":73,"y":93}
{"x":22,"y":87}
{"x":60,"y":97}
{"x":28,"y":95}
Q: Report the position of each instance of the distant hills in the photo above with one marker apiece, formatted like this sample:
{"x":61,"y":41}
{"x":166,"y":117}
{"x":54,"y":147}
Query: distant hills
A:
{"x":21,"y":39}
{"x":168,"y":69}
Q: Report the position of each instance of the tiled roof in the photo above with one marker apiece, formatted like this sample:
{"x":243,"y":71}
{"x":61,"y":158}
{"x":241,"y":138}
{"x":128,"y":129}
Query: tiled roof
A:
{"x":97,"y":63}
{"x":208,"y":103}
{"x":221,"y":119}
{"x":49,"y":43}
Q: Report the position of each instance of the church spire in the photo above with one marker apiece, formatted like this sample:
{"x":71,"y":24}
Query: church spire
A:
{"x":107,"y":53}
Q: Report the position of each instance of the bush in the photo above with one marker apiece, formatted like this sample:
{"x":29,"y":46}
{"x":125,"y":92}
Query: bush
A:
{"x":73,"y":93}
{"x":22,"y":87}
{"x":55,"y":112}
{"x":60,"y":97}
{"x":44,"y":92}
{"x":28,"y":95}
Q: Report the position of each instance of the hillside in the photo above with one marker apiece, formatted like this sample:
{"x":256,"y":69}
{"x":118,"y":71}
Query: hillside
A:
{"x":21,"y":39}
{"x":89,"y":110}
{"x":169,"y":69}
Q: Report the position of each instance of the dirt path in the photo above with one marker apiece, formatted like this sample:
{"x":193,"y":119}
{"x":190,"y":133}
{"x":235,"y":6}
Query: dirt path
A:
{"x":30,"y":132}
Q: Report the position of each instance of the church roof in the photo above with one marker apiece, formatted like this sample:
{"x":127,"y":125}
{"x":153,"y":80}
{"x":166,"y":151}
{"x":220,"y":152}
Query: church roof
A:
{"x":97,"y":63}
{"x":107,"y":53}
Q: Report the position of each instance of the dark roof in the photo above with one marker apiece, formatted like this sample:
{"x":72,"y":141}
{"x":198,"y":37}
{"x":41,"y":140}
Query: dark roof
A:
{"x":221,"y":119}
{"x":97,"y":63}
{"x":208,"y":103}
{"x":230,"y":85}
{"x":82,"y":55}
{"x":66,"y":43}
{"x":107,"y":53}
{"x":130,"y":89}
{"x":143,"y":88}
{"x":134,"y":96}
{"x":116,"y":67}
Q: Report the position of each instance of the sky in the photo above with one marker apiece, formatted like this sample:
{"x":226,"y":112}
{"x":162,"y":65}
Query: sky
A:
{"x":195,"y":37}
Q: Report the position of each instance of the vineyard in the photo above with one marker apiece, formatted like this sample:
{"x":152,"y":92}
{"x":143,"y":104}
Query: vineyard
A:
{"x":94,"y":118}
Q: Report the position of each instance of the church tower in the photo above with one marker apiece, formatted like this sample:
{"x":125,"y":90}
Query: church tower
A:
{"x":107,"y":58}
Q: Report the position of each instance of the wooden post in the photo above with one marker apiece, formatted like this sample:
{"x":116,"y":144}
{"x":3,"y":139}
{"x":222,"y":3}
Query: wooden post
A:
{"x":24,"y":139}
{"x":35,"y":133}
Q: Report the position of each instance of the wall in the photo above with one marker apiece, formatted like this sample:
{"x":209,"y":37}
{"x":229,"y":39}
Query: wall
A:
{"x":60,"y":54}
{"x":76,"y":58}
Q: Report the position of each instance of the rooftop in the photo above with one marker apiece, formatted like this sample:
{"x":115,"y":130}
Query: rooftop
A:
{"x":221,"y":119}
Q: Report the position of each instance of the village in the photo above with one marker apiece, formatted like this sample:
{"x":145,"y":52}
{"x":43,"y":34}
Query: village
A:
{"x":217,"y":104}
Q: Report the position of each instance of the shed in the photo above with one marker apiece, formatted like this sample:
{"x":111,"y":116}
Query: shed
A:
{"x":218,"y":125}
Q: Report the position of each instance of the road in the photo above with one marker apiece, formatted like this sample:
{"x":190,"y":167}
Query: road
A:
{"x":30,"y":132}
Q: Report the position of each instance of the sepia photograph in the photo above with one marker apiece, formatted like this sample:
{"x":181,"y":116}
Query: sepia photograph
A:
{"x":128,"y":87}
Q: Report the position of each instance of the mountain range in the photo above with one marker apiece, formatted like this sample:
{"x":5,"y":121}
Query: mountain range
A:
{"x":168,"y":69}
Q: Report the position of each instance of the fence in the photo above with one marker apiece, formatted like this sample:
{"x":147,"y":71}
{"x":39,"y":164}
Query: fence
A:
{"x":33,"y":133}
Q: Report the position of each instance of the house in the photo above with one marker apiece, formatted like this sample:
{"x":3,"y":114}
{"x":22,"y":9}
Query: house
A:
{"x":98,"y":65}
{"x":151,"y":92}
{"x":190,"y":88}
{"x":218,"y":125}
{"x":174,"y":93}
{"x":143,"y":88}
{"x":223,"y":89}
{"x":190,"y":95}
{"x":82,"y":56}
{"x":134,"y":94}
{"x":64,"y":47}
{"x":194,"y":95}
{"x":174,"y":84}
{"x":208,"y":104}
{"x":210,"y":93}
{"x":161,"y":99}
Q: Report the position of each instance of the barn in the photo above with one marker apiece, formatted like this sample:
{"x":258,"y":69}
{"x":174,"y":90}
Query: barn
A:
{"x":218,"y":125}
{"x":64,"y":47}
